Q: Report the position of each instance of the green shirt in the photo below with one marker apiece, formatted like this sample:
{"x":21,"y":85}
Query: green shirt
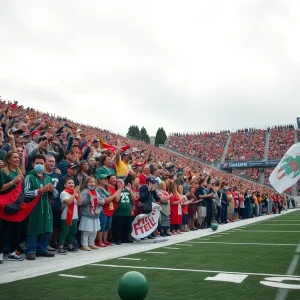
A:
{"x":6,"y":178}
{"x":124,"y":204}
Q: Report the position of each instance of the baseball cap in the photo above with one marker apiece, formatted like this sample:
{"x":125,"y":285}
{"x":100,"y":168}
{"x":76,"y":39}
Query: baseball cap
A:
{"x":42,"y":138}
{"x":151,"y":180}
{"x":16,"y":131}
{"x":72,"y":166}
{"x":35,"y":132}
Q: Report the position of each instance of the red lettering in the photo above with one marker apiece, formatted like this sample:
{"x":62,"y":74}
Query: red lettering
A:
{"x":151,"y":221}
{"x":146,"y":226}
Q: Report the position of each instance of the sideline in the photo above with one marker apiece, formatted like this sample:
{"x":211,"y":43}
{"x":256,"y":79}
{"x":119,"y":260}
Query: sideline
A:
{"x":194,"y":270}
{"x":13,"y":271}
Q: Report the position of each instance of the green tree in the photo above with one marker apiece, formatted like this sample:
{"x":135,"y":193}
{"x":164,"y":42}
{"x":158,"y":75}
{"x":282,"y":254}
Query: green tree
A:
{"x":160,"y":137}
{"x":144,"y":135}
{"x":134,"y":132}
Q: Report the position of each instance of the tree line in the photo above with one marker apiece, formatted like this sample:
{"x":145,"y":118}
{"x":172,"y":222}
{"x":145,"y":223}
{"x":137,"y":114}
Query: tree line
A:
{"x":142,"y":135}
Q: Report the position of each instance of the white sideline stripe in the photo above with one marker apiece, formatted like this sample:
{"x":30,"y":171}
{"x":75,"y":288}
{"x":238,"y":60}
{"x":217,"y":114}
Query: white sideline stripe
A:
{"x":280,"y":224}
{"x":156,"y":252}
{"x":260,"y":244}
{"x":282,"y":293}
{"x":193,"y":270}
{"x":171,"y":248}
{"x":128,"y":258}
{"x":270,"y":231}
{"x":72,"y":276}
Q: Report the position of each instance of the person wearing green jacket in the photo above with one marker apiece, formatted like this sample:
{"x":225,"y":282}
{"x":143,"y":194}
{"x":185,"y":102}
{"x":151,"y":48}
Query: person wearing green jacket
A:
{"x":40,"y":223}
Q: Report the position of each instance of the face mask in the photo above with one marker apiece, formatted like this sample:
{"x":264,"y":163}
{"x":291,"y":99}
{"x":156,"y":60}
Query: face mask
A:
{"x":39,"y":168}
{"x":91,"y":187}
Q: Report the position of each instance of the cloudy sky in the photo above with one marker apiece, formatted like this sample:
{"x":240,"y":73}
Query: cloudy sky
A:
{"x":183,"y":65}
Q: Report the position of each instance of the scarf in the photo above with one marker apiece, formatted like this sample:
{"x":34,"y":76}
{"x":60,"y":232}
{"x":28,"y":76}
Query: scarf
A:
{"x":11,"y":197}
{"x":94,"y":201}
{"x":71,"y":206}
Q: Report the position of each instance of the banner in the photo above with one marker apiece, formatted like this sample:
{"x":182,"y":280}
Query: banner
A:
{"x":249,"y":164}
{"x":143,"y":225}
{"x":287,"y":172}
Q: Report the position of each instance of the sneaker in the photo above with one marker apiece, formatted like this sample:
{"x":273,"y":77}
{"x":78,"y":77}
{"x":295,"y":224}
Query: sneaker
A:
{"x":62,"y":251}
{"x":86,"y":248}
{"x":72,"y":249}
{"x":93,"y":247}
{"x":47,"y":254}
{"x":14,"y":257}
{"x":49,"y":248}
{"x":30,"y":256}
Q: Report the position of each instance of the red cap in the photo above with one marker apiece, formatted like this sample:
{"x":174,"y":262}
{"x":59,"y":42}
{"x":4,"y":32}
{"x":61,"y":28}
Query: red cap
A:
{"x":34,"y":132}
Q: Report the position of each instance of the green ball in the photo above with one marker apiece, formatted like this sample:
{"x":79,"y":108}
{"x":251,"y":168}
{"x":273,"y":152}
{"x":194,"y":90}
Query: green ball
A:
{"x":214,"y":226}
{"x":133,"y":286}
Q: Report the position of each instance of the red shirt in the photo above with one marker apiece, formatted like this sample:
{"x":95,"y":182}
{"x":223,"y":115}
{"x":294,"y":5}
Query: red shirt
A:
{"x":137,"y":202}
{"x":110,"y":208}
{"x":142,"y":178}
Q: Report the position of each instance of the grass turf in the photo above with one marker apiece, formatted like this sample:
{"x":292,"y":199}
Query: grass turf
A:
{"x":101,"y":281}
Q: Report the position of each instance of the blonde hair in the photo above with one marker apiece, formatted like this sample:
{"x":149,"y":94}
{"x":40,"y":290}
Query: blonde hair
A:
{"x":6,"y":168}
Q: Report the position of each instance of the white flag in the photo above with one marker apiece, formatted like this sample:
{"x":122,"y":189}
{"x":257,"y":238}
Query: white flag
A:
{"x":287,"y":172}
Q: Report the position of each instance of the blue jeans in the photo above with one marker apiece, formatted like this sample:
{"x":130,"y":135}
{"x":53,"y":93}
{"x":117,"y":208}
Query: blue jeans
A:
{"x":224,"y":213}
{"x":37,"y":243}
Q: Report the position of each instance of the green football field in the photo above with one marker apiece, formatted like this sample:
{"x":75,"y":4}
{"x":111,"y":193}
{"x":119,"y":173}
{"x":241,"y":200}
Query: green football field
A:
{"x":257,"y":261}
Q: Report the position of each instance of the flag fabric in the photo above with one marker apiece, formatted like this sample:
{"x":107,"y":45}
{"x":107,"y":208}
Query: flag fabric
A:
{"x":11,"y":197}
{"x":287,"y":172}
{"x":144,"y":224}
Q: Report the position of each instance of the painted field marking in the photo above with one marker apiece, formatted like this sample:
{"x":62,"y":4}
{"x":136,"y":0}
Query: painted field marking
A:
{"x":280,"y":224}
{"x":72,"y":276}
{"x":269,"y":231}
{"x":128,"y":258}
{"x":193,"y":270}
{"x":235,"y":278}
{"x":171,"y":248}
{"x":259,"y":244}
{"x":152,"y":252}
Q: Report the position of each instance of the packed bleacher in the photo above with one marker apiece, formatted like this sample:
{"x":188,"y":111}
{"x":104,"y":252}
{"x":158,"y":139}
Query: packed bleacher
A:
{"x":66,"y":186}
{"x":246,"y":144}
{"x":281,"y":139}
{"x":207,"y":146}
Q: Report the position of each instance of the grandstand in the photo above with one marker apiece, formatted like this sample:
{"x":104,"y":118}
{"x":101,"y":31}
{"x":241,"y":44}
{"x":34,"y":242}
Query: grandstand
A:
{"x":243,"y":145}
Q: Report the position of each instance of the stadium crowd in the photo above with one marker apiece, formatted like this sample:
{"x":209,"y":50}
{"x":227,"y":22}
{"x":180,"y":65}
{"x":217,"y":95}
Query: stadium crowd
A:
{"x":65,"y":186}
{"x":248,"y":144}
{"x":207,"y":146}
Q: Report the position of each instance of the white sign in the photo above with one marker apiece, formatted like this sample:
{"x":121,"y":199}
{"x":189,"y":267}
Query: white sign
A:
{"x":143,"y":225}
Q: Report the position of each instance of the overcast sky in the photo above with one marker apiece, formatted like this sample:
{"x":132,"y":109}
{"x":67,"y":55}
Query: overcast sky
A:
{"x":183,"y":65}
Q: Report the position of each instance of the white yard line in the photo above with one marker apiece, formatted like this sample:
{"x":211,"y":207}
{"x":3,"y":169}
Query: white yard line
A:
{"x":129,"y":258}
{"x":282,"y":293}
{"x":193,"y":270}
{"x":28,"y":269}
{"x":152,"y":252}
{"x":270,"y":231}
{"x":275,"y":224}
{"x":259,"y":244}
{"x":171,"y":248}
{"x":72,"y":276}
